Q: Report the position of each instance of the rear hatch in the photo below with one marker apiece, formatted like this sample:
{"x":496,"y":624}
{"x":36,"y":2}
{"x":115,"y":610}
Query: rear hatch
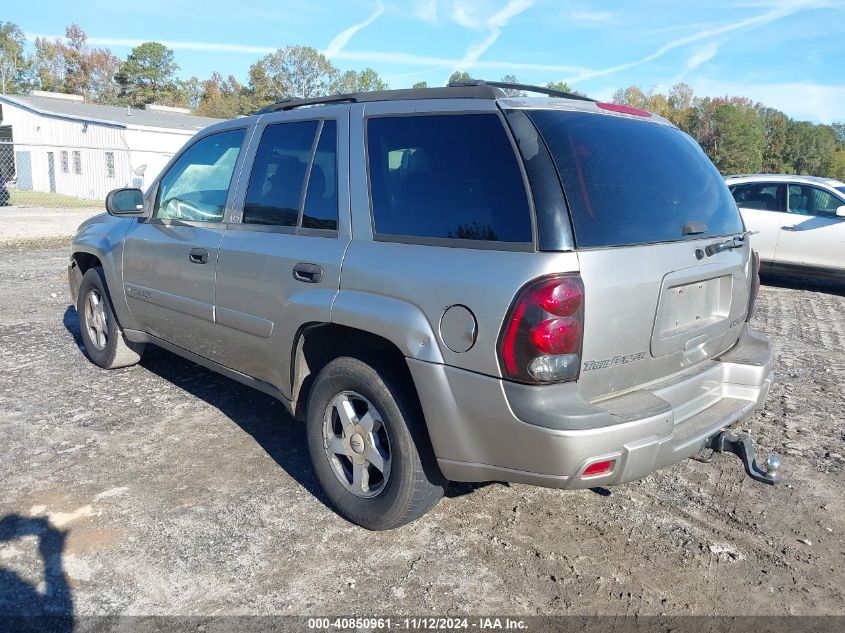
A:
{"x":645,"y":202}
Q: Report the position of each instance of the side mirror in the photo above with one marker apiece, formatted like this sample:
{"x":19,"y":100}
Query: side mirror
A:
{"x":840,"y":211}
{"x":125,"y":202}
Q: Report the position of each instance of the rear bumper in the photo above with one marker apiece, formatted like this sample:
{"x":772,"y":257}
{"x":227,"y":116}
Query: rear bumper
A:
{"x":485,"y":429}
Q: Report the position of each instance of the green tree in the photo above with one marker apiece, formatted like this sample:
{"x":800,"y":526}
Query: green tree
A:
{"x":681,"y":103}
{"x":740,"y":139}
{"x":559,"y":85}
{"x":366,"y":80}
{"x":294,"y":71}
{"x":775,"y":124}
{"x":632,"y":96}
{"x":420,"y":84}
{"x":49,"y":64}
{"x":512,"y":92}
{"x":222,"y":98}
{"x":191,"y":91}
{"x":458,"y":75}
{"x":839,"y":130}
{"x":14,"y":64}
{"x":809,"y":148}
{"x":837,"y":165}
{"x":149,"y":75}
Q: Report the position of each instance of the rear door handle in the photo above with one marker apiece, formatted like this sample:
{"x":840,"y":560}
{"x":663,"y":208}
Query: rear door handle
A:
{"x":308,"y":273}
{"x":198,"y":256}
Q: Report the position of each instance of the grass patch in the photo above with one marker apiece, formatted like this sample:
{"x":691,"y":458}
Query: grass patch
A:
{"x":51,"y":200}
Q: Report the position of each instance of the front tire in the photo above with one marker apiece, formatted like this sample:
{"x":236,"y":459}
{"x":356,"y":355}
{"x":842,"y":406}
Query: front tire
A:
{"x":368,"y":445}
{"x":105,"y":343}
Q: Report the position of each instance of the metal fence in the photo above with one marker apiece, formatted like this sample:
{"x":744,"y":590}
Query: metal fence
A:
{"x":69,"y":172}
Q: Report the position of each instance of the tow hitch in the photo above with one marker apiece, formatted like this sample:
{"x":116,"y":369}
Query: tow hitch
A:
{"x":742,"y":446}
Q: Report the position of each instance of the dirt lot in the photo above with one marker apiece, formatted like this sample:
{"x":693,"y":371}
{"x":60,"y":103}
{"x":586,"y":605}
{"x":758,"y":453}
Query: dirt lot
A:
{"x":165,"y":489}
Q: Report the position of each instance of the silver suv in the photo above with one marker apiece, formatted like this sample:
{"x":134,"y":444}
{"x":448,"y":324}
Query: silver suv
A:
{"x":445,"y":284}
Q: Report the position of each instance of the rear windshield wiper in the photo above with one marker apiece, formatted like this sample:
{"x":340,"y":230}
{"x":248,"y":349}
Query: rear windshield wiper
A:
{"x":727,"y":245}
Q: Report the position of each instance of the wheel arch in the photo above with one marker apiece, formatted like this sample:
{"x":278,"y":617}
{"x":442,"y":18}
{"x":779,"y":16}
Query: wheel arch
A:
{"x":317,"y":344}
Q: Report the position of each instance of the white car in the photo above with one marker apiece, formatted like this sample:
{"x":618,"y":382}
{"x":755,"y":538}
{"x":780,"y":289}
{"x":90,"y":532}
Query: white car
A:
{"x":799,"y":222}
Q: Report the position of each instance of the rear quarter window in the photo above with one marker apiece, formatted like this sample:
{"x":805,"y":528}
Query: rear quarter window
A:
{"x":448,"y":177}
{"x":634,"y":182}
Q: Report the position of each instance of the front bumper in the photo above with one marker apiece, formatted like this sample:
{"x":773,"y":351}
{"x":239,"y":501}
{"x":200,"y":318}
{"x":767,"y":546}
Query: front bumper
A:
{"x":487,"y":429}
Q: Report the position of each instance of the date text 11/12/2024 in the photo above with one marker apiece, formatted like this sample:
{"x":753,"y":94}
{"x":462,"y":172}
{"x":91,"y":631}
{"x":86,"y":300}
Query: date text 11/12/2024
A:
{"x":416,"y":623}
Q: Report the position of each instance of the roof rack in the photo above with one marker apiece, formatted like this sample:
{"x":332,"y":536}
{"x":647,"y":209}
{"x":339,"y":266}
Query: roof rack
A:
{"x":470,"y":89}
{"x":509,"y":85}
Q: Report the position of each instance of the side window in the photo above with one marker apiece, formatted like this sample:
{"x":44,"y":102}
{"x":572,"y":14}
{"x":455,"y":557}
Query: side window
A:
{"x":274,"y":193}
{"x":764,"y":197}
{"x":64,"y":162}
{"x":446,"y":176}
{"x":320,"y":211}
{"x":197,"y":184}
{"x":807,"y":200}
{"x":77,"y":163}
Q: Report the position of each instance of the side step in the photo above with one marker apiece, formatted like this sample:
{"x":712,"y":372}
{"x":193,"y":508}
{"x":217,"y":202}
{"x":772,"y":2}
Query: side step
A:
{"x":742,"y":446}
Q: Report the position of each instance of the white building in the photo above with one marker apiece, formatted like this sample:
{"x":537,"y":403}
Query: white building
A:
{"x":57,"y":143}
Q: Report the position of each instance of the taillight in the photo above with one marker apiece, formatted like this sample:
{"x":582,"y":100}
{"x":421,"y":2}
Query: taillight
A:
{"x":542,"y":336}
{"x":755,"y":284}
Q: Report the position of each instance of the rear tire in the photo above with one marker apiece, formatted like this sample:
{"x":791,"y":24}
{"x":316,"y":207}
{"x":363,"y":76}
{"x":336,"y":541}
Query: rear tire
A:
{"x":368,"y":444}
{"x":105,"y":343}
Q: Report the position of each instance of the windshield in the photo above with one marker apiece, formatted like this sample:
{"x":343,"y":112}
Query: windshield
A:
{"x":634,"y":182}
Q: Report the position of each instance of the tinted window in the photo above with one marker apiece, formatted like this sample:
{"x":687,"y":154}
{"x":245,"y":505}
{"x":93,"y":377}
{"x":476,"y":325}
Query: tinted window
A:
{"x":761,"y":196}
{"x":274,"y":193}
{"x":807,"y":200}
{"x":446,"y":176}
{"x":841,"y":189}
{"x":320,"y":211}
{"x":634,"y":182}
{"x":197,"y":184}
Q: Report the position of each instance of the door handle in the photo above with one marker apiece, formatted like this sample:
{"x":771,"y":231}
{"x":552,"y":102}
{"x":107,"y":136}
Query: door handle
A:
{"x":198,"y":256}
{"x":308,"y":273}
{"x":792,"y":228}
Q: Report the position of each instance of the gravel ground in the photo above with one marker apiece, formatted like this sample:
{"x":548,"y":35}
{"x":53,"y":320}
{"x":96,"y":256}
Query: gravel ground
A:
{"x":166,"y":489}
{"x":26,"y":225}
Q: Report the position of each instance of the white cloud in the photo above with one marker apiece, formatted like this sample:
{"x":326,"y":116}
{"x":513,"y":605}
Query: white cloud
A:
{"x":342,"y":39}
{"x":587,"y":17}
{"x":800,"y":100}
{"x":700,"y":57}
{"x":495,"y":23}
{"x":408,"y":59}
{"x":426,"y":10}
{"x":781,"y":10}
{"x":215,"y":47}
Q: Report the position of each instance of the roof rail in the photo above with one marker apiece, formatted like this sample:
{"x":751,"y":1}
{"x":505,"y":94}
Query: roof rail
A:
{"x":289,"y":103}
{"x":471,"y":89}
{"x":508,"y":85}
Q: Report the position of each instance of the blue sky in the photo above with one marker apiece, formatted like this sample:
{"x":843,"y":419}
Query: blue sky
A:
{"x":789,"y":54}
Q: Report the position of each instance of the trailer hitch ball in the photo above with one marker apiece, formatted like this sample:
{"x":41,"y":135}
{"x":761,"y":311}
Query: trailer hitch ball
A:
{"x":773,"y":465}
{"x":742,"y":446}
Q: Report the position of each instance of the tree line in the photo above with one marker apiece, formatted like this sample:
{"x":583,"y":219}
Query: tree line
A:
{"x":739,"y":135}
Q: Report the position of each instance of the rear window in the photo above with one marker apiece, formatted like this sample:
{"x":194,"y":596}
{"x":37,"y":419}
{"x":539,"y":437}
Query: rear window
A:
{"x":633,"y":182}
{"x":447,"y":177}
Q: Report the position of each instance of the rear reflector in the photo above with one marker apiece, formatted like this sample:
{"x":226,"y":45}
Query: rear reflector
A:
{"x":599,"y":468}
{"x":755,"y":284}
{"x":618,"y":107}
